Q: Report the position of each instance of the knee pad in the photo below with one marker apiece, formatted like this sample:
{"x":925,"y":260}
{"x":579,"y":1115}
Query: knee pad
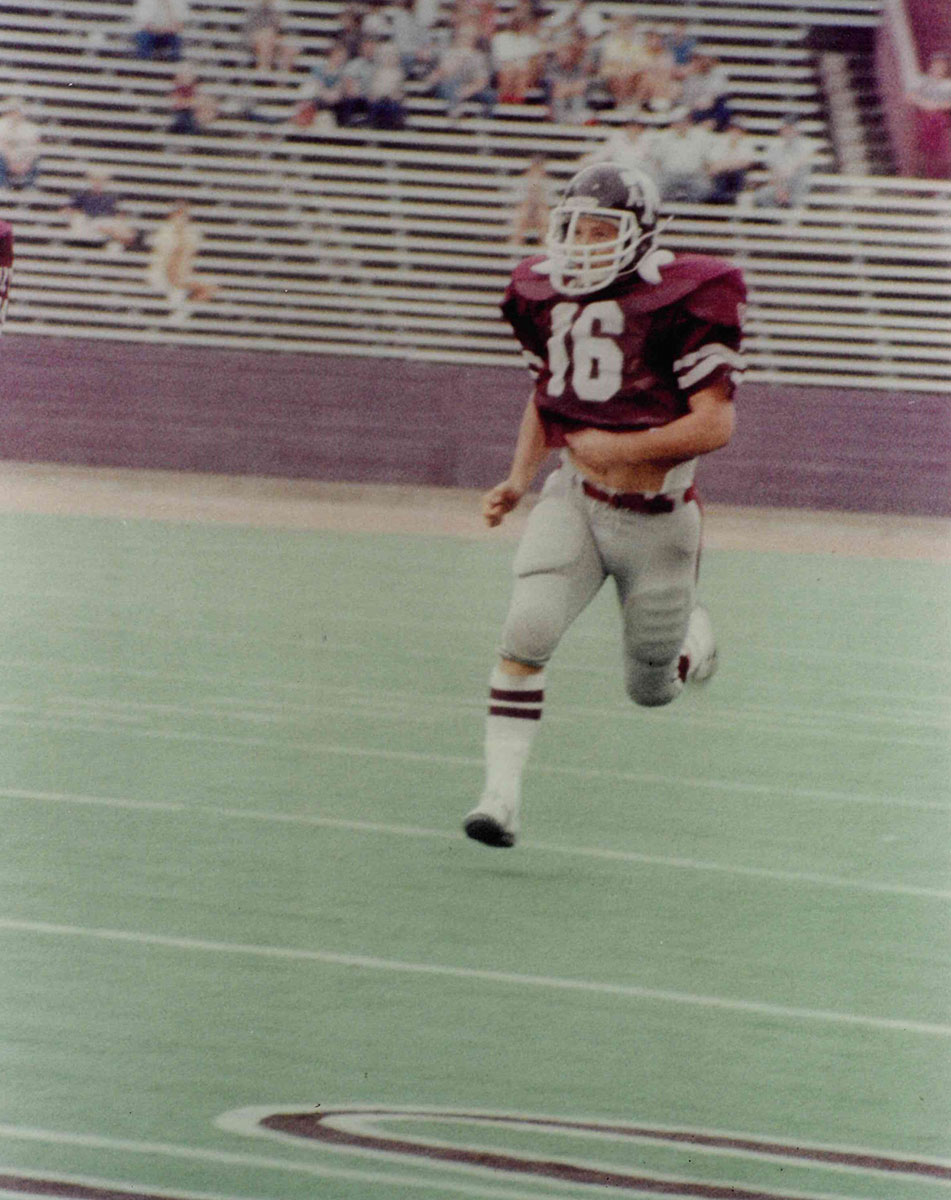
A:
{"x":535,"y":621}
{"x":655,"y":625}
{"x":652,"y":687}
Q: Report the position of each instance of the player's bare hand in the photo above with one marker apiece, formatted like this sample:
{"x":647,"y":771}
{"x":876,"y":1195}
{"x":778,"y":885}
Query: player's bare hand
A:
{"x":599,"y":449}
{"x":500,"y":501}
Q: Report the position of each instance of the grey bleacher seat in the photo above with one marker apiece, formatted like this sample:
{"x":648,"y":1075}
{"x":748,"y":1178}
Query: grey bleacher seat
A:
{"x":360,"y":242}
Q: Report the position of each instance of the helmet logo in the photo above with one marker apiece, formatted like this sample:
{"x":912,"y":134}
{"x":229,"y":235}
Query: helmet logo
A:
{"x":639,"y":195}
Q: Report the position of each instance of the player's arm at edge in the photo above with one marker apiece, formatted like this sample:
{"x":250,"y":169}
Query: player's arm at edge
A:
{"x":6,"y":267}
{"x":706,"y":427}
{"x":530,"y":452}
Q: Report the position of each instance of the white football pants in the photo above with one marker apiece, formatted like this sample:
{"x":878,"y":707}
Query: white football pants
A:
{"x":571,"y":544}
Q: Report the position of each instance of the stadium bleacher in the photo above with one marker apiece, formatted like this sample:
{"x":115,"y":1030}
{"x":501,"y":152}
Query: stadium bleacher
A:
{"x":358,"y":241}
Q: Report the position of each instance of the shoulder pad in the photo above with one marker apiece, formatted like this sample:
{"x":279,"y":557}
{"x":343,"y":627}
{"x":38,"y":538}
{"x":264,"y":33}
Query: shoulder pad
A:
{"x":721,"y":300}
{"x":688,"y":273}
{"x":529,"y":283}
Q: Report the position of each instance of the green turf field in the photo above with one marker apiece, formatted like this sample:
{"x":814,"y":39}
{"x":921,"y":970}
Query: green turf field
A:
{"x":234,"y":766}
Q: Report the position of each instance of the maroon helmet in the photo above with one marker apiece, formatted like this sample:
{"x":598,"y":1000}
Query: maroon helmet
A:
{"x":625,"y":197}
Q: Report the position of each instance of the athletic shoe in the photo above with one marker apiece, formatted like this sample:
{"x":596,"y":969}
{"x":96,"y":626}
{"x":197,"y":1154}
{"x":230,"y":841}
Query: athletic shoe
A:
{"x":700,"y":646}
{"x":494,"y":822}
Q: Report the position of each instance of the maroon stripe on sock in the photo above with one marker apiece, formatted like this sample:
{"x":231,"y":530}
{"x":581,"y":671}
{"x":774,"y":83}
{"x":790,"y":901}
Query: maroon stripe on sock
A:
{"x":515,"y":697}
{"x":526,"y":714}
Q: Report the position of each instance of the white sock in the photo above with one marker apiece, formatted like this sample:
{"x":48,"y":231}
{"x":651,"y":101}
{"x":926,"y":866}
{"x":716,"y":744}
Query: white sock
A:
{"x":515,"y":709}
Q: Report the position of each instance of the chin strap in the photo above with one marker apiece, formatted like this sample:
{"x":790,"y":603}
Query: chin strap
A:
{"x":649,"y":266}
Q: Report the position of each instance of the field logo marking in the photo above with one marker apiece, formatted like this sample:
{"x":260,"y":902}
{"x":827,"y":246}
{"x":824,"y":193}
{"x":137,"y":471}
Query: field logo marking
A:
{"x":366,"y":1130}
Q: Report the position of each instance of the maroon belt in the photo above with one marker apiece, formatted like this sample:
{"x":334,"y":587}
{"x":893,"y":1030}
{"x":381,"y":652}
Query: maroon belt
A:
{"x":636,"y":502}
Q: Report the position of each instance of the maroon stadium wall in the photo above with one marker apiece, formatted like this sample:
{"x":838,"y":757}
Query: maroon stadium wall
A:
{"x":930,"y":22}
{"x":929,"y":27}
{"x":305,"y":416}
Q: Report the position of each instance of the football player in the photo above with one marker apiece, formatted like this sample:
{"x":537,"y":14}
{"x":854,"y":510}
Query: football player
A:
{"x":6,"y":267}
{"x":634,"y":353}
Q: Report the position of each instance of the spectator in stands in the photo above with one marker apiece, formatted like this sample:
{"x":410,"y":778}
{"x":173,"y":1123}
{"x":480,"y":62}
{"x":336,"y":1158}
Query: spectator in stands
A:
{"x":681,"y":156}
{"x":682,"y":45}
{"x":320,"y":92}
{"x":172,"y":263}
{"x":158,"y":26}
{"x":462,"y":74}
{"x":19,"y":148}
{"x":94,"y":216}
{"x":706,"y":92}
{"x":353,"y":102}
{"x":517,"y":56}
{"x":267,"y":40}
{"x":632,"y":143}
{"x":657,"y":84}
{"x":789,"y":162}
{"x":413,"y":40}
{"x":351,"y":29}
{"x":427,"y":12}
{"x":622,"y":58}
{"x":932,"y":117}
{"x":567,"y":15}
{"x":377,"y":20}
{"x":567,"y":76}
{"x":193,"y":109}
{"x":385,"y":94}
{"x":532,"y":203}
{"x":481,"y":14}
{"x":732,"y":156}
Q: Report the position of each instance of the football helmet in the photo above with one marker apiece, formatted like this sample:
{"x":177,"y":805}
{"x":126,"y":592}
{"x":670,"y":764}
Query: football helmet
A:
{"x":625,"y":197}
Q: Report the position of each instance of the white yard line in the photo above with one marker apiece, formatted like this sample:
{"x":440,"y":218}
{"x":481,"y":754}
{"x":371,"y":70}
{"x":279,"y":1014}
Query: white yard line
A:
{"x":466,"y":762}
{"x":606,"y":640}
{"x":420,"y":832}
{"x":483,"y":975}
{"x":880,"y":662}
{"x":434,"y":707}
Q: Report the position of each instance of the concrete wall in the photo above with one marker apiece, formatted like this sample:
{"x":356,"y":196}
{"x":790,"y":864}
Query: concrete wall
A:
{"x":387,"y":421}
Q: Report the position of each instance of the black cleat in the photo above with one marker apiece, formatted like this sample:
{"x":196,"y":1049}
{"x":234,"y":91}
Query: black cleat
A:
{"x":487,"y":830}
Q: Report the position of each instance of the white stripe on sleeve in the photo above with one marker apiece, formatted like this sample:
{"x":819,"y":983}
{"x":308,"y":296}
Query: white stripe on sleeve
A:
{"x":708,"y":364}
{"x":688,"y":360}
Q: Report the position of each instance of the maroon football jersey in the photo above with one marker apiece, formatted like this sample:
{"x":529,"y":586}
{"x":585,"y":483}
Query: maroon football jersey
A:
{"x":6,"y":266}
{"x":631,"y":355}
